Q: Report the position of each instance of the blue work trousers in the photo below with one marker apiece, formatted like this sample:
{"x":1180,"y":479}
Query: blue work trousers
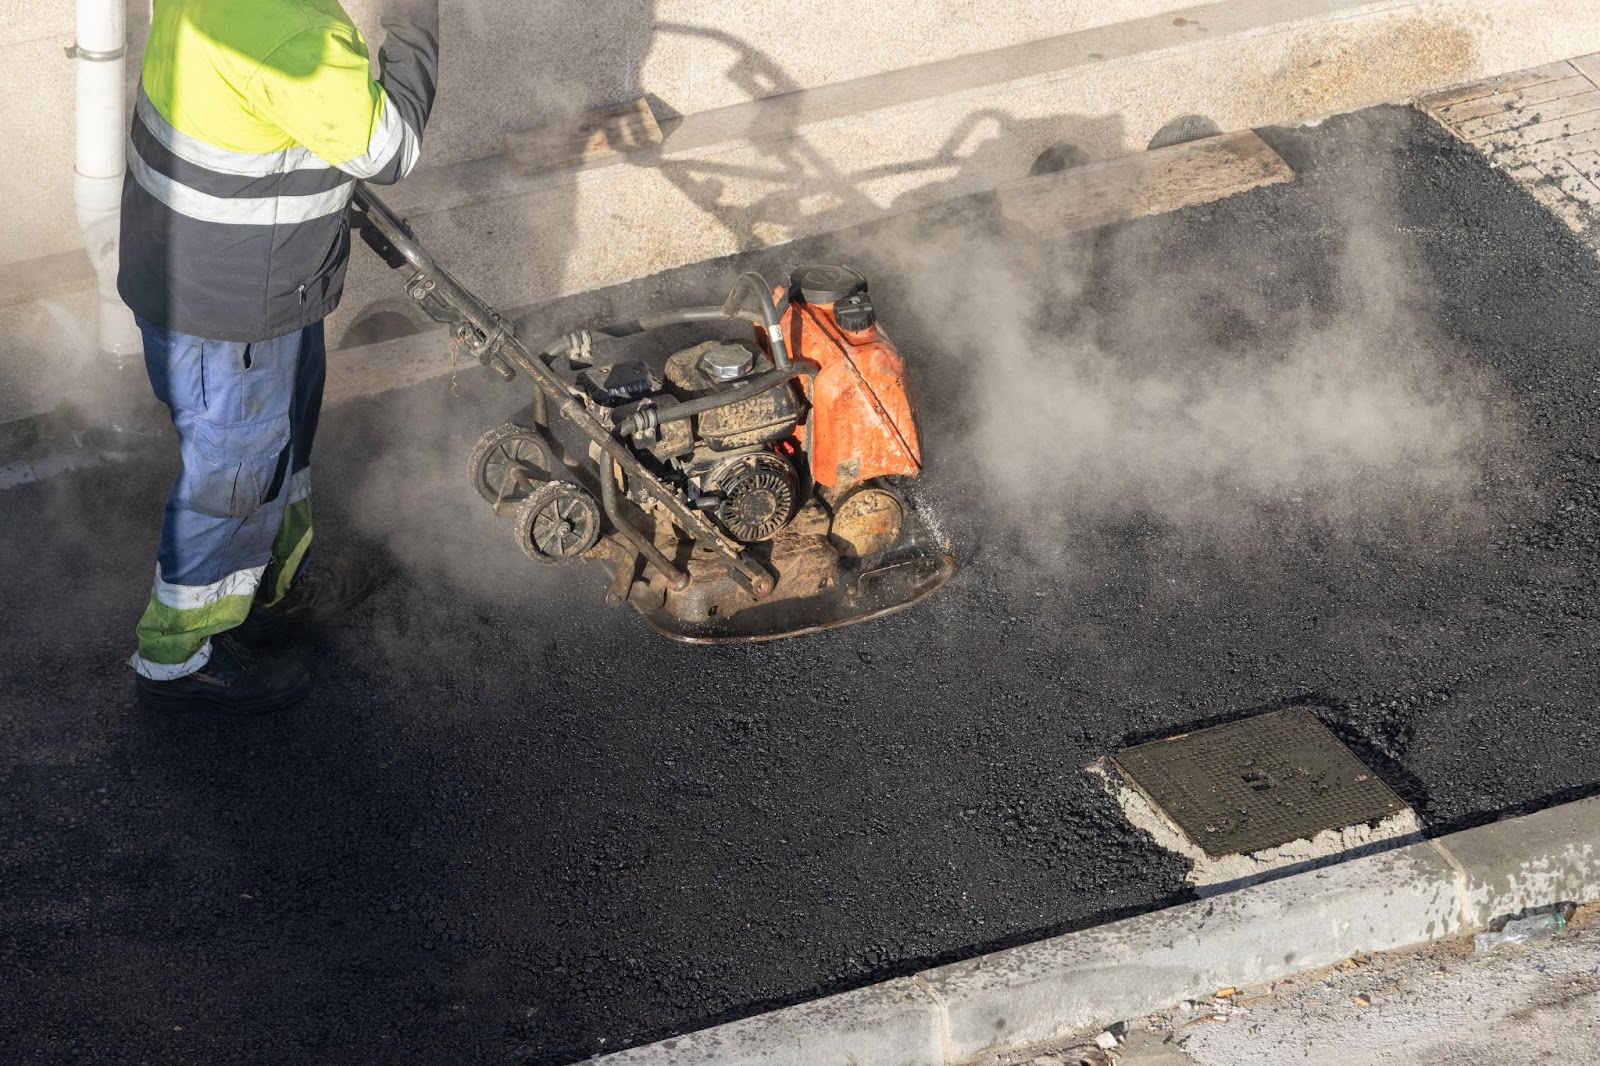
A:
{"x":237,"y":526}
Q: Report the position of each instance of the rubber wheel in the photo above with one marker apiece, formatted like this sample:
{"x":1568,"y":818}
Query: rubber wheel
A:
{"x":508,"y":463}
{"x":558,"y":522}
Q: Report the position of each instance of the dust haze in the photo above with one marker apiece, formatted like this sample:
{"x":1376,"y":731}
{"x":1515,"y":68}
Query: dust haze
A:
{"x":1155,"y":372}
{"x":1109,"y":378}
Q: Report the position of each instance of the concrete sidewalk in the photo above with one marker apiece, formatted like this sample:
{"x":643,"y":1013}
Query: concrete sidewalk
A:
{"x":771,"y":139}
{"x":1010,"y":1001}
{"x":1440,"y":1005}
{"x":1542,"y":126}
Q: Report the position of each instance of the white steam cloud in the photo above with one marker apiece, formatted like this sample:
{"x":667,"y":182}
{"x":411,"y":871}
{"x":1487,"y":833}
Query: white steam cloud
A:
{"x":1353,"y":419}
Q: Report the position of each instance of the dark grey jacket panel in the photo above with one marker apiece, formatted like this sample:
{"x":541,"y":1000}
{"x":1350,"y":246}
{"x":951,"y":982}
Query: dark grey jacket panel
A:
{"x":228,"y":282}
{"x":408,"y":63}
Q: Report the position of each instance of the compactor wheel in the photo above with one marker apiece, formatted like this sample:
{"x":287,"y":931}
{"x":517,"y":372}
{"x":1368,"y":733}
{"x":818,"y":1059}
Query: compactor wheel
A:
{"x":560,"y":521}
{"x":508,"y":463}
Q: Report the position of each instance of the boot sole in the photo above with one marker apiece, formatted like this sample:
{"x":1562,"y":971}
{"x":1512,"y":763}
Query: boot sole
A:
{"x":168,"y":704}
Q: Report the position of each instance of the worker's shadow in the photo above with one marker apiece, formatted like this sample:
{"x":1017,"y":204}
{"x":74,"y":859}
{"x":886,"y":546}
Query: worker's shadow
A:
{"x":321,"y":836}
{"x":793,"y":183}
{"x":505,"y":68}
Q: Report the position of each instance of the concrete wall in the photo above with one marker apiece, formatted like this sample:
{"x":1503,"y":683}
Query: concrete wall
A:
{"x":36,"y":161}
{"x":763,"y":172}
{"x":510,"y":65}
{"x":789,"y":125}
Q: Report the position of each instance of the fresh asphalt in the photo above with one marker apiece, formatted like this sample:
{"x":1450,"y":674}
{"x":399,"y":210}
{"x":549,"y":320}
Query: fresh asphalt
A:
{"x":514,"y":826}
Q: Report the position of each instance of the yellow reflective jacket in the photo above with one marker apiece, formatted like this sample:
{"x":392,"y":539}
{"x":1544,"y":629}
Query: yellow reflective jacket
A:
{"x":252,"y":122}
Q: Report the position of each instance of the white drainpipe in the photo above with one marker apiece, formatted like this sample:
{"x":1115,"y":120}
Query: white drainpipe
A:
{"x":102,"y":139}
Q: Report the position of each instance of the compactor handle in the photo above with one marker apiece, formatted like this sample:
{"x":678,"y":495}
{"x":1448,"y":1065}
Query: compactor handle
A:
{"x":430,"y":285}
{"x":497,"y":345}
{"x":385,"y":232}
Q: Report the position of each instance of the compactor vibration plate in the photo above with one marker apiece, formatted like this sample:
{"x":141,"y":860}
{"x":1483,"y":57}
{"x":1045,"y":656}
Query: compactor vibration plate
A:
{"x":816,"y":590}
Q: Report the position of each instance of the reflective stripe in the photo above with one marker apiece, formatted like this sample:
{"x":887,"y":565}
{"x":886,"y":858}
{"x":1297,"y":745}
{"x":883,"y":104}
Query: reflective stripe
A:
{"x":391,"y":138}
{"x":190,"y":597}
{"x":292,"y":542}
{"x":299,"y":485}
{"x":162,"y":672}
{"x":222,"y":160}
{"x":162,"y":160}
{"x":412,"y":149}
{"x":241,"y":210}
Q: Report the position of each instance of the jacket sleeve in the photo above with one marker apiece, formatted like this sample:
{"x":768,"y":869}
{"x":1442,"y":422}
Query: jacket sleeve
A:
{"x":369,"y":129}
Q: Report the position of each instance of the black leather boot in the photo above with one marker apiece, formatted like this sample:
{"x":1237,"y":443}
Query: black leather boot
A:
{"x":235,"y":680}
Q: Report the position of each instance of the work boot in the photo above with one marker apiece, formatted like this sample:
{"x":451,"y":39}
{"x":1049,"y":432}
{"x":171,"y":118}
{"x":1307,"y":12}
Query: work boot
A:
{"x":324,"y":592}
{"x":235,"y":680}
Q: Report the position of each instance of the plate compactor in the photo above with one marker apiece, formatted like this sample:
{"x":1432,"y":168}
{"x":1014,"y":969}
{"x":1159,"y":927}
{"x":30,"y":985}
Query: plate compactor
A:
{"x":738,"y":490}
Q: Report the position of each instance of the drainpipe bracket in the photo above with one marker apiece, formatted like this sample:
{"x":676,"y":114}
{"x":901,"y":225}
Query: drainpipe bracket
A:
{"x":74,"y":52}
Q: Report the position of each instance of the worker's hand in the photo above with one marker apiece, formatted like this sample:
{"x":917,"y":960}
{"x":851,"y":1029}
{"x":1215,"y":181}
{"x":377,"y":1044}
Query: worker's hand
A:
{"x":423,"y":14}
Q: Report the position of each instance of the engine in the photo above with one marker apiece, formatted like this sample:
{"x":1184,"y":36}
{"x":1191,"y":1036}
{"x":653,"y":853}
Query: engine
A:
{"x":732,"y":461}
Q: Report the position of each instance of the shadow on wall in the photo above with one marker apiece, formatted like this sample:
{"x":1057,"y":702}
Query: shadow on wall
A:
{"x":511,"y":67}
{"x":796,"y":187}
{"x":784,"y":183}
{"x":505,"y":69}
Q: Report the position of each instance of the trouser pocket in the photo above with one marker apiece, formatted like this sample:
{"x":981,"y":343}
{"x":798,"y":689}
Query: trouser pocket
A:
{"x":231,"y":469}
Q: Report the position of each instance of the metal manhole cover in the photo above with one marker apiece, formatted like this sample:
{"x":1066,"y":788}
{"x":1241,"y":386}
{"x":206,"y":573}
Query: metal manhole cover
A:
{"x":1257,"y":783}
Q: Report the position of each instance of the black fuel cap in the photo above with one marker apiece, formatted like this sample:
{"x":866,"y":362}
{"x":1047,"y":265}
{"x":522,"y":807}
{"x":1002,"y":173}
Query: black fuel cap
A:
{"x":827,"y":284}
{"x":855,"y":313}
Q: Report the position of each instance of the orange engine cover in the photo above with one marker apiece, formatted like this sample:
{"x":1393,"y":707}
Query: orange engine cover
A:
{"x":863,"y":422}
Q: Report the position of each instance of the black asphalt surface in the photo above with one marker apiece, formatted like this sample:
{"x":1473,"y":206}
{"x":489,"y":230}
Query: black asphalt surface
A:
{"x":513,"y":826}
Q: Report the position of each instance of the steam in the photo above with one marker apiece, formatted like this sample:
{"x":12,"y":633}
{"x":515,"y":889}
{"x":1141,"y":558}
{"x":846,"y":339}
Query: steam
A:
{"x":1149,"y":373}
{"x":1188,"y":397}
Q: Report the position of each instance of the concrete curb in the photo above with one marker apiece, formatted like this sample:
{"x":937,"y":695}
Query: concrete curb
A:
{"x":1053,"y":989}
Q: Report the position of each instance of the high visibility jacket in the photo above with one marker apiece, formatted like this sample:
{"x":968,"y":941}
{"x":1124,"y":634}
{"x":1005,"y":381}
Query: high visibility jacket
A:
{"x":252,"y":122}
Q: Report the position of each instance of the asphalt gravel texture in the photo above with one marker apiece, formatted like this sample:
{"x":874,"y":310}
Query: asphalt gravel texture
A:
{"x":512,"y":825}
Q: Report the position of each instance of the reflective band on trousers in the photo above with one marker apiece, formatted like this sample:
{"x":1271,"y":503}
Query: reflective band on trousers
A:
{"x":173,"y":671}
{"x":299,"y":485}
{"x":189,"y":597}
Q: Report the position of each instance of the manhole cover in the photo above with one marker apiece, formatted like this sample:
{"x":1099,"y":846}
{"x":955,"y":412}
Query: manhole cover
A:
{"x":1257,"y":783}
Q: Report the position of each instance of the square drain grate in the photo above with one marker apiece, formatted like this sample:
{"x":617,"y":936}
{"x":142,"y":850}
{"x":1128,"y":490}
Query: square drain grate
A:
{"x":1257,"y":783}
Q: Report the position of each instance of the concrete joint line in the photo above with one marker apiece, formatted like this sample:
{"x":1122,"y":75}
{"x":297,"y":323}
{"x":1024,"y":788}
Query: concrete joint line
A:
{"x":1463,"y":881}
{"x":944,"y":1013}
{"x":940,"y":87}
{"x":1251,"y":20}
{"x":1118,"y":45}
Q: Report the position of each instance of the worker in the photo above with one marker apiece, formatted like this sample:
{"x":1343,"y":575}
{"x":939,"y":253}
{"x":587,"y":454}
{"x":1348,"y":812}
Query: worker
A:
{"x":254,"y":119}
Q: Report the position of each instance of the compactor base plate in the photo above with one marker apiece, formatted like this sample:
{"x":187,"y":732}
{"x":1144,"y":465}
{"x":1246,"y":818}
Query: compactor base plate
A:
{"x":817,"y":588}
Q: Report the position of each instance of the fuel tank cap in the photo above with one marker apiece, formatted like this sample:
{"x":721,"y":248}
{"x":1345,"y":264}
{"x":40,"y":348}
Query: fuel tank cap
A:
{"x":821,"y":284}
{"x":727,"y":362}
